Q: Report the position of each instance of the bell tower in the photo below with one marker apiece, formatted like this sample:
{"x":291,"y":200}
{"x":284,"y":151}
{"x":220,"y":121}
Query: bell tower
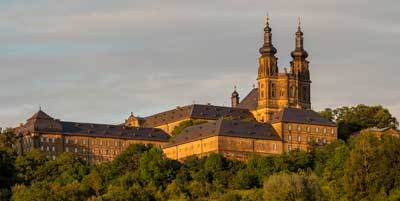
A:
{"x":299,"y":91}
{"x":267,"y":77}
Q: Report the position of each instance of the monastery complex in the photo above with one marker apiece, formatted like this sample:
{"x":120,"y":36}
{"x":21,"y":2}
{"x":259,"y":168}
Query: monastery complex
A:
{"x":273,"y":118}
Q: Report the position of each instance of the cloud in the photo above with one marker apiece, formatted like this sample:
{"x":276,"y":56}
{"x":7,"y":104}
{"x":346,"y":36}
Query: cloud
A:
{"x":98,"y":62}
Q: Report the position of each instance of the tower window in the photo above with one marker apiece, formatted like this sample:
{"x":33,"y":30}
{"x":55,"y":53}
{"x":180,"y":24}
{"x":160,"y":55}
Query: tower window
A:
{"x":305,"y":94}
{"x":291,"y":92}
{"x":273,"y":90}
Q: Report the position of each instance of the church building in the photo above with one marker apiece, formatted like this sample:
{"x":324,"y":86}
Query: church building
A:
{"x":273,"y":118}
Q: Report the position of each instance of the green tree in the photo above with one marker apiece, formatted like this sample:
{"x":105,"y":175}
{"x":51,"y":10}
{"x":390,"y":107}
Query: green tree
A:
{"x":93,"y":182}
{"x":27,"y":165}
{"x":64,"y":170}
{"x":7,"y":173}
{"x":292,"y":187}
{"x":154,"y":168}
{"x":353,"y":119}
{"x":373,"y":167}
{"x":7,"y":138}
{"x":184,"y":124}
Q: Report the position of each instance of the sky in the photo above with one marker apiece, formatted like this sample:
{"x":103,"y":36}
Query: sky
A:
{"x":98,"y":61}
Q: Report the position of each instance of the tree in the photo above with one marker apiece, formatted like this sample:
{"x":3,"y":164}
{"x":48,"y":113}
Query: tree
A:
{"x":184,"y":124}
{"x":353,"y":119}
{"x":27,"y":165}
{"x":373,"y":167}
{"x":154,"y":168}
{"x":7,"y":173}
{"x":64,"y":170}
{"x":292,"y":187}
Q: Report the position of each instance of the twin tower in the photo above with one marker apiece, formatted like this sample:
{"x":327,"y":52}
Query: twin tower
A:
{"x":276,"y":90}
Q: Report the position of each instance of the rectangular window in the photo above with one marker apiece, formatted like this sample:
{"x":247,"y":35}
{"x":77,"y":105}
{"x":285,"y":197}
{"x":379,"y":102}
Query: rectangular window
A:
{"x":53,"y":140}
{"x":317,"y":130}
{"x":324,"y":130}
{"x":66,"y":141}
{"x":298,"y":128}
{"x":308,"y":129}
{"x":83,"y":141}
{"x":289,"y":127}
{"x":332,"y":131}
{"x":76,"y":150}
{"x":323,"y":140}
{"x":76,"y":141}
{"x":41,"y":139}
{"x":100,"y":142}
{"x":298,"y":138}
{"x":53,"y":148}
{"x":66,"y":149}
{"x":274,"y":146}
{"x":316,"y":140}
{"x":115,"y":143}
{"x":289,"y":138}
{"x":289,"y":147}
{"x":91,"y":141}
{"x":108,"y":143}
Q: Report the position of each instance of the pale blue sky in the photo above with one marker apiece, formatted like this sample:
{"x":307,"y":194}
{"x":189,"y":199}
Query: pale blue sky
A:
{"x":96,"y":61}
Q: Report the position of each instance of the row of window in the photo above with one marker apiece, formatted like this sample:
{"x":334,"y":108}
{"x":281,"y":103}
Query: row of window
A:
{"x":308,"y":129}
{"x":76,"y":141}
{"x":46,"y":139}
{"x":48,"y":148}
{"x":308,"y":139}
{"x":274,"y":146}
{"x":92,"y":142}
{"x":106,"y":152}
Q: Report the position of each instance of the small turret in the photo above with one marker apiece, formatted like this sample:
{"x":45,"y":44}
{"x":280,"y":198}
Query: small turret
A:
{"x":235,"y":98}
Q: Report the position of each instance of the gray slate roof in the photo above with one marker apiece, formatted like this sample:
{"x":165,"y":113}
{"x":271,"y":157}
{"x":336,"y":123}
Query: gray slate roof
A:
{"x":233,"y":128}
{"x":196,"y":111}
{"x":41,"y":122}
{"x":250,"y":102}
{"x":295,"y":115}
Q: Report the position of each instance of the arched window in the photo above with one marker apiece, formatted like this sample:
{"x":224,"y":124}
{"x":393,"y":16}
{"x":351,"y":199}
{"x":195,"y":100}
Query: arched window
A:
{"x":305,"y":94}
{"x":273,"y":90}
{"x":291,"y":92}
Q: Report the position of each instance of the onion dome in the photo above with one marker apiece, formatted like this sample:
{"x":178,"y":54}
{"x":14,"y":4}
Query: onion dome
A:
{"x":267,"y":48}
{"x":299,"y":51}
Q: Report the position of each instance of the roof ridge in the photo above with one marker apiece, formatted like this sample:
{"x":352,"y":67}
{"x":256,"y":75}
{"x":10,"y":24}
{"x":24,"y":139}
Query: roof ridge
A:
{"x":191,"y":111}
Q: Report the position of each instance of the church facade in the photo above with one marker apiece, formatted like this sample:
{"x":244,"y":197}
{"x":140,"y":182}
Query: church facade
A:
{"x":273,"y":118}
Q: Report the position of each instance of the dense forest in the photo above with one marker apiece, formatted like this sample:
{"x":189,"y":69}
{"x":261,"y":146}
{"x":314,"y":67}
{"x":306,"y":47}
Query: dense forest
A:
{"x":356,"y":168}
